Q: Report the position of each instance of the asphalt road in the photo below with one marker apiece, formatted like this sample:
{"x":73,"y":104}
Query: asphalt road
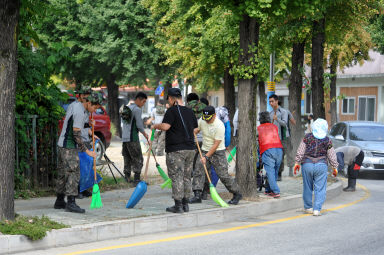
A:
{"x":353,"y":224}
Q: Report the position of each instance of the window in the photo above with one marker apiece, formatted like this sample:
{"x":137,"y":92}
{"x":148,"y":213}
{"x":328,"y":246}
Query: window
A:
{"x":338,"y":129}
{"x":367,"y":107}
{"x":214,"y":101}
{"x":348,"y":106}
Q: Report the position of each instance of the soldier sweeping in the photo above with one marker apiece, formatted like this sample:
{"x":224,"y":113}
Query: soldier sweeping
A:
{"x":69,"y":144}
{"x":179,"y":122}
{"x":132,"y":125}
{"x":213,"y":149}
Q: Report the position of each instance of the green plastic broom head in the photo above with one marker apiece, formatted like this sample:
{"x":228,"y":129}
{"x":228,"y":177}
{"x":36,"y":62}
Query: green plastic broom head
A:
{"x":167,"y":184}
{"x":215,"y":196}
{"x":153,"y":135}
{"x":96,"y":197}
{"x":233,"y":152}
{"x":162,"y":173}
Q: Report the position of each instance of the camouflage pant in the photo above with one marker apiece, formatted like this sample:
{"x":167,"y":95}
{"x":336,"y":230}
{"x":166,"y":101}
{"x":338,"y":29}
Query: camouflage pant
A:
{"x":179,"y":164}
{"x":68,"y":172}
{"x":219,"y":162}
{"x":159,"y":143}
{"x":133,"y":158}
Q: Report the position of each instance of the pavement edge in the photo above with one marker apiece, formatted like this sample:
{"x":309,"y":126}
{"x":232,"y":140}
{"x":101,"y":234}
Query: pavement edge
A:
{"x":162,"y":223}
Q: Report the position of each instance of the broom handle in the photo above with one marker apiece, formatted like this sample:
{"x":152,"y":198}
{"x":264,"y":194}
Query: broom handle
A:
{"x":201,"y":156}
{"x":231,"y":154}
{"x":148,"y":156}
{"x":93,"y":146}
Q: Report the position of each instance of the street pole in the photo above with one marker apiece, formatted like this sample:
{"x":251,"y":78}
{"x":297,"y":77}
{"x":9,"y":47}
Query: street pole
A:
{"x":271,"y":84}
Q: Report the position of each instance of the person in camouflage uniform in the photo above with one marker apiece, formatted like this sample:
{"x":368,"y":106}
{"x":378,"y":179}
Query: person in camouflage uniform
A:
{"x":132,"y":125}
{"x":86,"y":133}
{"x":197,"y":107}
{"x":178,"y":123}
{"x":69,"y":144}
{"x":213,"y":149}
{"x":157,"y":115}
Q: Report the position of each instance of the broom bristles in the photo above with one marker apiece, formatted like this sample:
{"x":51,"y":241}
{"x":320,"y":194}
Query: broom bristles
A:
{"x":215,"y":196}
{"x":167,"y":184}
{"x":96,"y":197}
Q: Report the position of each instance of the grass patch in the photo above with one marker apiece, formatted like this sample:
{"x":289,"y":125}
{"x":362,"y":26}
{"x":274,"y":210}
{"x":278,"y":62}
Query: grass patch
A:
{"x":108,"y":183}
{"x":30,"y":193}
{"x":34,"y":228}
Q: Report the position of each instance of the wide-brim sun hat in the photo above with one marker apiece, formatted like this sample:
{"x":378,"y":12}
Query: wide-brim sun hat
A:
{"x":319,"y":128}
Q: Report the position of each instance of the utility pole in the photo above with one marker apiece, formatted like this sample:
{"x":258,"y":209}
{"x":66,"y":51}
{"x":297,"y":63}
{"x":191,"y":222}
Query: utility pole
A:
{"x":271,"y":83}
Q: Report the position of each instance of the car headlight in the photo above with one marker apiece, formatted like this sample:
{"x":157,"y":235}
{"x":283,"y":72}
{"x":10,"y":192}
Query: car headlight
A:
{"x":367,"y":153}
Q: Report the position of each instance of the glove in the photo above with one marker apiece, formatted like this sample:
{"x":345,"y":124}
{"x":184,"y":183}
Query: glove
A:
{"x":356,"y":167}
{"x":334,"y":173}
{"x":296,"y":168}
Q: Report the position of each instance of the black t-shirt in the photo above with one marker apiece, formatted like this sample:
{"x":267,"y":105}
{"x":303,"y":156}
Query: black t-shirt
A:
{"x":176,"y":138}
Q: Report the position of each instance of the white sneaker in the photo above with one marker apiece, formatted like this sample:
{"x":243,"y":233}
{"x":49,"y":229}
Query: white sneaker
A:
{"x":316,"y":213}
{"x":308,"y":211}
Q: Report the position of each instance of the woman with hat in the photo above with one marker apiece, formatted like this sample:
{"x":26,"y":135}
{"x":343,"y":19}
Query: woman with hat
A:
{"x":313,"y":153}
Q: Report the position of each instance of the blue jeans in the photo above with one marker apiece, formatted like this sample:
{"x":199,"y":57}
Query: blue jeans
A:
{"x":272,"y":159}
{"x":314,"y":180}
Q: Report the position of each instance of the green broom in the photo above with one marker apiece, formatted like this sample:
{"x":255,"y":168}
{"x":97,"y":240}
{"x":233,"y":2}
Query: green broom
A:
{"x":167,"y":181}
{"x":231,"y":155}
{"x":215,"y":196}
{"x":96,"y":198}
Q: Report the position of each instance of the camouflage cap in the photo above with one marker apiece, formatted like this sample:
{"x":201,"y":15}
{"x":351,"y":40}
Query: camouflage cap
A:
{"x":95,"y":98}
{"x":84,"y":90}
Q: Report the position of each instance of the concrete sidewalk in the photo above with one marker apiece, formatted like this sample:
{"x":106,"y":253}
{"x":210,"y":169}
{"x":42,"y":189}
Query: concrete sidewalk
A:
{"x":149,"y":216}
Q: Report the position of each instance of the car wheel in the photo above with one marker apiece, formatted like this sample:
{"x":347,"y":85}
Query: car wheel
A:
{"x":100,"y":149}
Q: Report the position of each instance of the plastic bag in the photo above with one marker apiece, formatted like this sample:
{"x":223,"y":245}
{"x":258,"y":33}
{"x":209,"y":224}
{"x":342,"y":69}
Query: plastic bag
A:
{"x":87,"y":177}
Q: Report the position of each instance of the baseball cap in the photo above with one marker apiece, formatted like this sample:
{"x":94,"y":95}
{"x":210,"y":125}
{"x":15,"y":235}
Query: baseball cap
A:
{"x":95,"y":98}
{"x":175,"y":92}
{"x":208,"y":113}
{"x":84,"y":90}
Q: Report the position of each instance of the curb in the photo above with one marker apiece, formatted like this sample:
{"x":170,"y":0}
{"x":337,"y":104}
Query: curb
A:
{"x":168,"y":222}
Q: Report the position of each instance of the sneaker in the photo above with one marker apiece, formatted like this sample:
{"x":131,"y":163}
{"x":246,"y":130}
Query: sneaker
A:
{"x":274,"y":195}
{"x":308,"y":210}
{"x":267,"y":193}
{"x":316,"y":213}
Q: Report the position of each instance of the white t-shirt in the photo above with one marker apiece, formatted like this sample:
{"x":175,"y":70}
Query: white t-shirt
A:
{"x":212,"y":132}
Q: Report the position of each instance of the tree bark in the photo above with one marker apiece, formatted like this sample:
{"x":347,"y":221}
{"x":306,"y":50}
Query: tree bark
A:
{"x":317,"y":70}
{"x":333,"y":70}
{"x":247,"y":148}
{"x":9,"y":15}
{"x":113,"y":103}
{"x":262,"y":96}
{"x":229,"y":93}
{"x":295,"y":90}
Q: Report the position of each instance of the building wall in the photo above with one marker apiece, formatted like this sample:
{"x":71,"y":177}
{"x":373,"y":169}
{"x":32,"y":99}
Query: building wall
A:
{"x":355,"y":92}
{"x":216,"y":97}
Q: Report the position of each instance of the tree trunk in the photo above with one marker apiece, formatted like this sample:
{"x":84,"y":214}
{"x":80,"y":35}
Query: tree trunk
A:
{"x":295,"y":90}
{"x":9,"y":15}
{"x":317,"y":70}
{"x":113,"y":103}
{"x":333,"y":70}
{"x":247,"y":148}
{"x":229,"y":93}
{"x":262,"y":96}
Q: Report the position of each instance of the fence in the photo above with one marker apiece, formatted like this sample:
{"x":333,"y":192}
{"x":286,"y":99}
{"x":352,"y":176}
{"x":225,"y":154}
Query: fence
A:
{"x":36,"y":152}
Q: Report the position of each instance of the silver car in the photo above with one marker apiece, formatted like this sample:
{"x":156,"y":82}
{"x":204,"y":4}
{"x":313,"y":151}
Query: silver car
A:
{"x":369,"y":136}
